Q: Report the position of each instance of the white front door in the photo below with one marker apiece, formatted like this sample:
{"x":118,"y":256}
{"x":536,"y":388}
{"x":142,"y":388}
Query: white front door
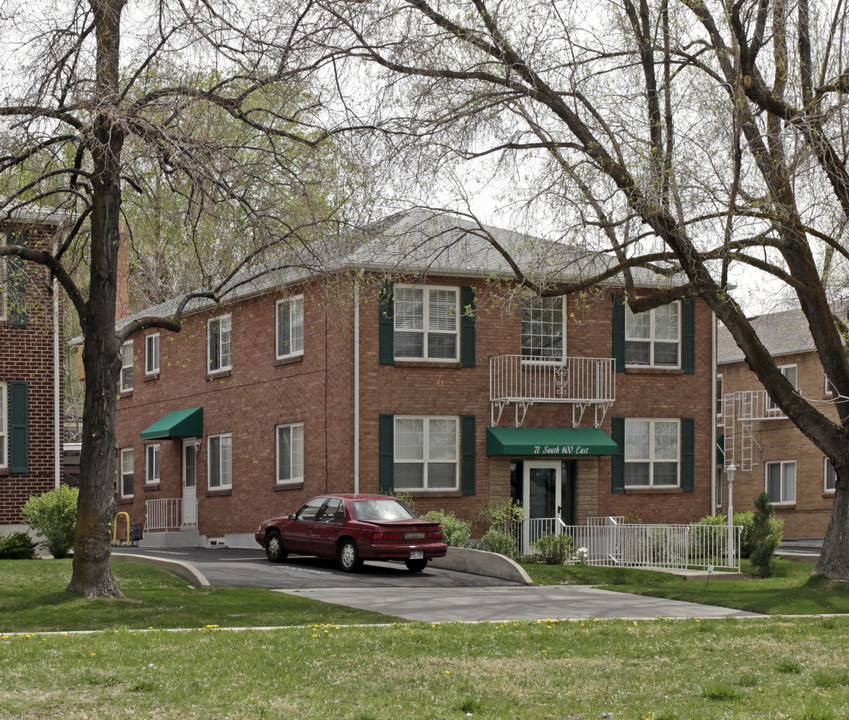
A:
{"x":190,"y":479}
{"x":541,"y":500}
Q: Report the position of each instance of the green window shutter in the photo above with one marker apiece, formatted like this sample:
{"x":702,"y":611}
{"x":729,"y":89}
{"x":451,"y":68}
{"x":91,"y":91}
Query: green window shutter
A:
{"x":468,"y":463}
{"x":17,"y":278}
{"x":386,"y":449}
{"x":618,"y":434}
{"x":619,"y":332}
{"x":19,"y":427}
{"x":386,"y":307}
{"x":467,"y":326}
{"x":688,"y":454}
{"x":688,"y":335}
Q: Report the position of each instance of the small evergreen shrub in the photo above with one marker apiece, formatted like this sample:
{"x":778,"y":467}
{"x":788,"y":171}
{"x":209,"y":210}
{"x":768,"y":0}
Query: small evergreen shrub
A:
{"x":765,"y":536}
{"x":497,"y":541}
{"x":456,"y":531}
{"x":502,"y":521}
{"x":17,"y":546}
{"x":743,"y":519}
{"x":553,"y":549}
{"x":54,"y":516}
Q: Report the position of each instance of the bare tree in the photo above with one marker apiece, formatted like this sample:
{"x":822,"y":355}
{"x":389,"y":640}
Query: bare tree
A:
{"x":196,"y":96}
{"x":694,"y":137}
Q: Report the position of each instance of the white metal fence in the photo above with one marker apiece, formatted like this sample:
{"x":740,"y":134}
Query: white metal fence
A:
{"x":164,"y":514}
{"x":631,"y":545}
{"x":573,"y":379}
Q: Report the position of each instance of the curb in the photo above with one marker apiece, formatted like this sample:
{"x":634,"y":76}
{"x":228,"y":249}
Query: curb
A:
{"x":481,"y":562}
{"x":184,"y":570}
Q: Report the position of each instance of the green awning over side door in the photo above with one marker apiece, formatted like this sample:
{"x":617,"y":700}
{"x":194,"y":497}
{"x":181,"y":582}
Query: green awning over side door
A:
{"x":180,"y":423}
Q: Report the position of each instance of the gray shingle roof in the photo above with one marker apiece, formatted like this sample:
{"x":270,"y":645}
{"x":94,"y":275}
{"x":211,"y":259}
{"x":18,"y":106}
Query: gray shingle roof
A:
{"x":782,"y":333}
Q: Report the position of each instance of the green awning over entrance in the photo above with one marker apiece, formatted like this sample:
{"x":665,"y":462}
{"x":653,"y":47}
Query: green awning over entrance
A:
{"x":549,"y":441}
{"x":180,"y":423}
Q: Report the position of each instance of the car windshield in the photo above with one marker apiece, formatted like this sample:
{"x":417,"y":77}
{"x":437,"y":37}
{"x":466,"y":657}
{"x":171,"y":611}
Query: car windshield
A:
{"x":382,"y":510}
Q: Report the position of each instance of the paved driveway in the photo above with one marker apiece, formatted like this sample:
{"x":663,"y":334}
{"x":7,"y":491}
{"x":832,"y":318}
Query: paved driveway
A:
{"x":432,"y":596}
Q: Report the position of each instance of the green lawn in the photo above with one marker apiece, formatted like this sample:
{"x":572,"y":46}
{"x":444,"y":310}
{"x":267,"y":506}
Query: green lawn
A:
{"x":33,"y":599}
{"x":792,"y":591}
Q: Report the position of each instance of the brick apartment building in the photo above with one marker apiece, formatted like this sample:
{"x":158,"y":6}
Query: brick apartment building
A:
{"x":30,"y":383}
{"x":414,"y":365}
{"x":769,"y":452}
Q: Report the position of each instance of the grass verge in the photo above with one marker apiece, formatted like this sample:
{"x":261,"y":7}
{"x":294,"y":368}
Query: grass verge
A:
{"x":659,"y":669}
{"x":33,"y":599}
{"x":792,"y":590}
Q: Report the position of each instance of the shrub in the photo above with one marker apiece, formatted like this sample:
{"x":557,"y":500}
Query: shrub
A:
{"x":743,"y":519}
{"x":457,"y":532}
{"x":17,"y":546}
{"x":498,"y":541}
{"x":54,"y":516}
{"x":553,"y":549}
{"x":765,"y":536}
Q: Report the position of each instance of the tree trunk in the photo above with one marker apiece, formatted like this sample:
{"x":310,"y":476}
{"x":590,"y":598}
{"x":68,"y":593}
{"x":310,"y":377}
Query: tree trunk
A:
{"x":92,"y":575}
{"x":834,"y":558}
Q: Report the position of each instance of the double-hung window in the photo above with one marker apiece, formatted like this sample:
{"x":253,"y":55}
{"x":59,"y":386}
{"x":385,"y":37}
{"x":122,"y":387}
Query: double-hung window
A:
{"x":652,"y":453}
{"x":127,"y":472}
{"x":781,"y":482}
{"x":426,"y":450}
{"x":151,"y":354}
{"x":151,"y":466}
{"x":127,"y":366}
{"x":4,"y":429}
{"x":652,"y":338}
{"x":542,"y":328}
{"x":830,"y":480}
{"x":426,"y":323}
{"x":219,"y":344}
{"x":290,"y":327}
{"x":220,"y":462}
{"x":789,"y":372}
{"x":290,"y":453}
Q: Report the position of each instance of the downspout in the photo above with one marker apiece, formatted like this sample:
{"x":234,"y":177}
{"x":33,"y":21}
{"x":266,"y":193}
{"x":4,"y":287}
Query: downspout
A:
{"x":356,"y":384}
{"x":713,"y":416}
{"x":57,"y":389}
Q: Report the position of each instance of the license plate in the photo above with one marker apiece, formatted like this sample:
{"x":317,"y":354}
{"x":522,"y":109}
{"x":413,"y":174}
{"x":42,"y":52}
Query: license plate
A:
{"x":416,"y":554}
{"x":414,"y":535}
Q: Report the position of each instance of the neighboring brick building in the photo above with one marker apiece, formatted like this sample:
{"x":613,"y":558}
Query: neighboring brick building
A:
{"x":30,"y":387}
{"x":408,"y":367}
{"x":769,"y":452}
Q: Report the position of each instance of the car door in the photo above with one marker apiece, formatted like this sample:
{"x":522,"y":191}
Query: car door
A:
{"x":326,"y":528}
{"x":296,"y":534}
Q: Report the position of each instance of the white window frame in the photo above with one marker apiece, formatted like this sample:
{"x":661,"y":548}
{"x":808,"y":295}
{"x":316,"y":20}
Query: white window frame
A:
{"x":295,"y":462}
{"x":426,"y":460}
{"x":128,"y":471}
{"x":4,"y":425}
{"x":652,"y":340}
{"x":425,"y":330}
{"x":770,"y":403}
{"x":652,"y":458}
{"x":828,"y":474}
{"x":784,"y":464}
{"x":151,"y":354}
{"x":152,"y":467}
{"x":127,"y":369}
{"x":532,"y":304}
{"x":828,"y":387}
{"x":294,"y":306}
{"x":224,"y":344}
{"x":223,"y":474}
{"x":719,"y":398}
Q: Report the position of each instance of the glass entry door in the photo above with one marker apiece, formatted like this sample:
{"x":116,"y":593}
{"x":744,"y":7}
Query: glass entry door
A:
{"x":542,"y":501}
{"x":190,"y":471}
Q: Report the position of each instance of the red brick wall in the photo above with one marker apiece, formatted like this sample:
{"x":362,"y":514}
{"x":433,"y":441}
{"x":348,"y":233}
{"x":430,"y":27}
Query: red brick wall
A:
{"x":26,"y":354}
{"x":780,"y":440}
{"x":318,"y":391}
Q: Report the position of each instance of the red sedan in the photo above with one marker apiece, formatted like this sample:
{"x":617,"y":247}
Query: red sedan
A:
{"x":353,"y":528}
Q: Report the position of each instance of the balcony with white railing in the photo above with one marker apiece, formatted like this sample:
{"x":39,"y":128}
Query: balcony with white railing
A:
{"x":582,"y":382}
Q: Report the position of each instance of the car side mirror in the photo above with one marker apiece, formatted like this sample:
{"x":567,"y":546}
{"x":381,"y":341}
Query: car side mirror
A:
{"x":292,"y":516}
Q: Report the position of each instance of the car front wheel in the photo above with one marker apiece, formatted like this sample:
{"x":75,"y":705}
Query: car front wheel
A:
{"x":349,"y":556}
{"x":274,"y":550}
{"x":415,"y":565}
